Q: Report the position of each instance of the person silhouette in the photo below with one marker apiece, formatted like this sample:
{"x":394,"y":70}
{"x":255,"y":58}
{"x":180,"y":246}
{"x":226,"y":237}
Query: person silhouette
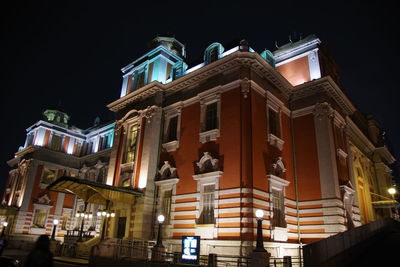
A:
{"x":40,"y":256}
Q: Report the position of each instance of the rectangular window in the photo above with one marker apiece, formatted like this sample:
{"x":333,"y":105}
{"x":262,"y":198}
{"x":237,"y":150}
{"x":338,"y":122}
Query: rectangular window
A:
{"x":278,"y":218}
{"x":207,"y":213}
{"x":39,"y":218}
{"x":166,"y":205}
{"x":172,"y":129}
{"x":131,"y":142}
{"x":211,"y":116}
{"x":56,"y":142}
{"x":274,"y":122}
{"x":140,"y":80}
{"x":48,"y":176}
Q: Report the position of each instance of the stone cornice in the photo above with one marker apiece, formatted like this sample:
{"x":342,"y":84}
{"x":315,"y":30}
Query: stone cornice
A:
{"x":385,"y":153}
{"x":142,"y":93}
{"x":359,"y":138}
{"x":325,"y":84}
{"x":230,"y":62}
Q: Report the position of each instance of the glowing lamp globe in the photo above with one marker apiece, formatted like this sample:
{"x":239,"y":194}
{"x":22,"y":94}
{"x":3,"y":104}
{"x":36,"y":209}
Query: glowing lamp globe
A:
{"x":392,"y":191}
{"x":259,"y":214}
{"x":5,"y":224}
{"x":161,"y":218}
{"x":55,"y":222}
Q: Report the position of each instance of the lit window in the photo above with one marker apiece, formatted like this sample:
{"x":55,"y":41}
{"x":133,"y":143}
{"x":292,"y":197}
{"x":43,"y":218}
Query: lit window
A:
{"x":278,"y":209}
{"x":207,"y":205}
{"x":131,"y":143}
{"x":39,"y":218}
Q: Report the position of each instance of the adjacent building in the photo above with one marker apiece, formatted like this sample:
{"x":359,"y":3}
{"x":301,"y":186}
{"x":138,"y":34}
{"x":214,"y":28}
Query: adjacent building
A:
{"x":205,"y":145}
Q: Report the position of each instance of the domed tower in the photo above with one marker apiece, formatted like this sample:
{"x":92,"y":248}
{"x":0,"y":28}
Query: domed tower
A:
{"x":163,"y":63}
{"x":56,"y":117}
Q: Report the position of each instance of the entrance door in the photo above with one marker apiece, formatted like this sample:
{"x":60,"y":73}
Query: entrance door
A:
{"x":121,"y":227}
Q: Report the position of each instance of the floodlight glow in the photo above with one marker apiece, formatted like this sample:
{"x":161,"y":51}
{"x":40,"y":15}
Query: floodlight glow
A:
{"x":99,"y":213}
{"x":104,"y":213}
{"x":113,"y":214}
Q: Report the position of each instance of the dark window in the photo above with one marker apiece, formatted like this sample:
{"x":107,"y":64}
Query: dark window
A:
{"x":274,"y":125}
{"x":172,"y":129}
{"x":213,"y":54}
{"x":211,"y":116}
{"x":56,"y":142}
{"x":140,"y":80}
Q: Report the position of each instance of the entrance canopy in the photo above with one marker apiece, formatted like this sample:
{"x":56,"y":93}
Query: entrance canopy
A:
{"x":93,"y":192}
{"x":386,"y":204}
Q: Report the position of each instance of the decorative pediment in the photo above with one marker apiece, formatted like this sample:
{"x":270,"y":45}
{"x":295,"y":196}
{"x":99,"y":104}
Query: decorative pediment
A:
{"x":167,"y":171}
{"x":44,"y":200}
{"x":207,"y":163}
{"x":277,"y":167}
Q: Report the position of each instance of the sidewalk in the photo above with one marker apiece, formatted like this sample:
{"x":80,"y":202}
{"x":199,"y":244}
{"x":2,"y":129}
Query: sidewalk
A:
{"x":21,"y":254}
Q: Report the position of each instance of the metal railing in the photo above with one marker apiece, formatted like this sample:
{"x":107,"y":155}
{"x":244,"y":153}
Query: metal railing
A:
{"x":143,"y":251}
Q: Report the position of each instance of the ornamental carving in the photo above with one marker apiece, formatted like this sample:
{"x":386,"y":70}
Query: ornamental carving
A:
{"x":322,"y":111}
{"x":167,"y":171}
{"x":207,"y":163}
{"x":277,"y":167}
{"x":245,"y":87}
{"x":44,"y":200}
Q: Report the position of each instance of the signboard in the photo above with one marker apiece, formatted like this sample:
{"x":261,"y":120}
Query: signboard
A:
{"x":190,"y":249}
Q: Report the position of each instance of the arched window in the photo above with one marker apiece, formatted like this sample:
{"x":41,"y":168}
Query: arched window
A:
{"x":213,"y":52}
{"x":269,"y":57}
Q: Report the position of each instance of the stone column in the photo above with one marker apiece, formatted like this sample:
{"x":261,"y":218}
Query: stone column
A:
{"x":144,"y":218}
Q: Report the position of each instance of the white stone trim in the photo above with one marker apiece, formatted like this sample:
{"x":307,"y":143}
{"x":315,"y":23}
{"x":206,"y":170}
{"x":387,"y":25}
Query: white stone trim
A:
{"x":208,"y":136}
{"x":275,"y":141}
{"x":341,"y":154}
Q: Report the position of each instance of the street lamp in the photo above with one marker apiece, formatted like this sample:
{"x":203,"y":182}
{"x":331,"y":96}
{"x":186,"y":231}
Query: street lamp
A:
{"x":160,"y":219}
{"x":392,"y":192}
{"x":105,"y":214}
{"x":5,"y":224}
{"x":53,"y":234}
{"x":260,"y":242}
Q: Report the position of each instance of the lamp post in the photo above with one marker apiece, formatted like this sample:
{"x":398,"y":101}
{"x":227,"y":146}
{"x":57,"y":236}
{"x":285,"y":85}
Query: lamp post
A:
{"x":392,"y":192}
{"x":105,"y":215}
{"x":260,"y":241}
{"x":3,"y":233}
{"x":53,"y":234}
{"x":160,"y":220}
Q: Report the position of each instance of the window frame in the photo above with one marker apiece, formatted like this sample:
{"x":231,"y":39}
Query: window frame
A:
{"x":205,"y":179}
{"x":278,"y":184}
{"x":171,"y":112}
{"x":275,"y":105}
{"x":43,"y":207}
{"x":211,"y":134}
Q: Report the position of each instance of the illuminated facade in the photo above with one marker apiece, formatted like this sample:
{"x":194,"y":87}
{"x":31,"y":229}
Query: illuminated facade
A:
{"x":207,"y":145}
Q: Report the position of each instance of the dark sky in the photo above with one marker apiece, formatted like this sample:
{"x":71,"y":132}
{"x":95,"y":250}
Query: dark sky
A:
{"x":71,"y":54}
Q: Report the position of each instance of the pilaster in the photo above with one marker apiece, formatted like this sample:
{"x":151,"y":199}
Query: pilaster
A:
{"x":323,"y":114}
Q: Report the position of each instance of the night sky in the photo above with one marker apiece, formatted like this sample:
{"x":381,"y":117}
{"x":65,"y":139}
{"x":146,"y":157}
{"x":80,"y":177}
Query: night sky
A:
{"x":70,"y":55}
